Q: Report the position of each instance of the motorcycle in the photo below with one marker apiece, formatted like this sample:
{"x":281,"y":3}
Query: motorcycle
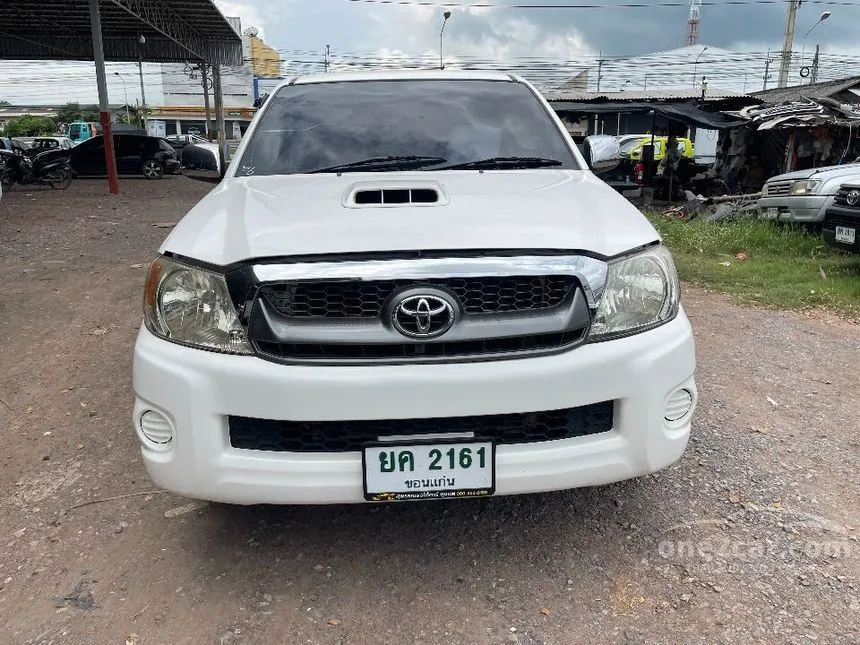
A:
{"x":45,"y":169}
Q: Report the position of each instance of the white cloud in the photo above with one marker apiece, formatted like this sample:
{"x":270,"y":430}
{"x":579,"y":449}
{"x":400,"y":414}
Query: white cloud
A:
{"x":246,"y":11}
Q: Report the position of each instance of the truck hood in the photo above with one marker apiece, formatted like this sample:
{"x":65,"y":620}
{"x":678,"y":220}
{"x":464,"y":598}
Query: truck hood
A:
{"x":256,"y":217}
{"x":825,"y":172}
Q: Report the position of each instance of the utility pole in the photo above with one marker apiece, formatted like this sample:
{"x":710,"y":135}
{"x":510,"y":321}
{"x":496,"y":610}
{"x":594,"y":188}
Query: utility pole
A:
{"x":600,"y":62}
{"x":814,"y":76}
{"x":141,"y":40}
{"x":327,"y":62}
{"x":205,"y":82}
{"x":219,"y":109}
{"x":789,"y":41}
{"x":767,"y":62}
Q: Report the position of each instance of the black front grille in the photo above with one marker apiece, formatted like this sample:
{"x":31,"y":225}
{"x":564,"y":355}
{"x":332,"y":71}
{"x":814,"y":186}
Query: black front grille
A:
{"x":418,"y":351}
{"x":832,"y":220}
{"x":841,"y":198}
{"x":351,"y":299}
{"x":347,"y":436}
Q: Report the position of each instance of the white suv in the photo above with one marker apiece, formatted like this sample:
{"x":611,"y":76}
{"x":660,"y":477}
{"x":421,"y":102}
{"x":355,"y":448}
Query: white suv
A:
{"x":408,"y":286}
{"x":804,"y":195}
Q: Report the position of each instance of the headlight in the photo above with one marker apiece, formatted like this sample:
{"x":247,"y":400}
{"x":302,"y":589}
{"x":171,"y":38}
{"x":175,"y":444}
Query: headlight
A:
{"x":641,"y":293}
{"x":192,"y":306}
{"x":806,"y":187}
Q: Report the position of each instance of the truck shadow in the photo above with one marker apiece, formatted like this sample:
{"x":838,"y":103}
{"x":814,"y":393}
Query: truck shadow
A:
{"x":313,"y":551}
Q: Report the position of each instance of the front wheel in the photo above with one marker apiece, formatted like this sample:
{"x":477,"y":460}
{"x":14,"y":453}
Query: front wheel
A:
{"x":7,"y":180}
{"x":58,"y":179}
{"x":152,"y":169}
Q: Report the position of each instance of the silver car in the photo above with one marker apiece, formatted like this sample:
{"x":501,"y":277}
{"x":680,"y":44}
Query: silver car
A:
{"x":804,"y":195}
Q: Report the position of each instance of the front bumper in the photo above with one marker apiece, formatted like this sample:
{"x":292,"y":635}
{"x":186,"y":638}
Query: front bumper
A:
{"x":846,"y":218}
{"x":790,"y":208}
{"x":198,"y":390}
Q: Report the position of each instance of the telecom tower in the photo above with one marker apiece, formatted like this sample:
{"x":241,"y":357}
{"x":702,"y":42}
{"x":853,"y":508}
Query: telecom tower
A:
{"x":693,"y":23}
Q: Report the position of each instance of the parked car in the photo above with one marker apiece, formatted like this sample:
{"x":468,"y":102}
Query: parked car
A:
{"x":629,"y":141}
{"x":804,"y":195}
{"x":135,"y":154}
{"x":42,"y":144}
{"x":842,"y":218}
{"x":408,"y":285}
{"x":179,"y":141}
{"x":25,"y":142}
{"x":633,"y":149}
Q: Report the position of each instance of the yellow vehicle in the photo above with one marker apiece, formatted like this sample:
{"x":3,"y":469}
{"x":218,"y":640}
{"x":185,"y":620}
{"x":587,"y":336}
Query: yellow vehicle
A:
{"x":633,"y":149}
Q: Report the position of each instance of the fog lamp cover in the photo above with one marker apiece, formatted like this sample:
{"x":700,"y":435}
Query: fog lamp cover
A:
{"x":679,"y":405}
{"x":156,"y":428}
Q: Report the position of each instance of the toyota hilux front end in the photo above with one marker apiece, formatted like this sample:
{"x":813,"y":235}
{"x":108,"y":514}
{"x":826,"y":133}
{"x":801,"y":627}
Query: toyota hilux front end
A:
{"x":409,"y":286}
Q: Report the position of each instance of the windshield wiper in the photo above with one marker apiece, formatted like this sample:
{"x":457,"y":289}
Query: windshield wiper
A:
{"x":494,"y":163}
{"x":391,"y":162}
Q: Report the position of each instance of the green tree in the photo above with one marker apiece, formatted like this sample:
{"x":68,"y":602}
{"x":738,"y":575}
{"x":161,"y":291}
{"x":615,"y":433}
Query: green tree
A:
{"x":71,"y":112}
{"x":4,"y":103}
{"x":30,"y":126}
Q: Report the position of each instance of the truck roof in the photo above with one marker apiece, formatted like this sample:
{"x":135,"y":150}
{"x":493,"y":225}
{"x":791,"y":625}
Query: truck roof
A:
{"x":403,"y":75}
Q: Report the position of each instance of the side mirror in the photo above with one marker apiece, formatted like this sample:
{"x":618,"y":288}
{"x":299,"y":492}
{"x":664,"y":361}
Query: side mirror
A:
{"x":602,"y":152}
{"x":203,"y":162}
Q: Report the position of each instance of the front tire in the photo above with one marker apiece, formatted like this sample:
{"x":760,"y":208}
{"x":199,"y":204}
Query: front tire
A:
{"x":7,"y":180}
{"x":152,"y":169}
{"x":58,"y":179}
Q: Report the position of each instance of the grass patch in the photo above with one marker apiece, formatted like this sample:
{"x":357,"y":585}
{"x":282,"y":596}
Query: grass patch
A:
{"x":783,"y":270}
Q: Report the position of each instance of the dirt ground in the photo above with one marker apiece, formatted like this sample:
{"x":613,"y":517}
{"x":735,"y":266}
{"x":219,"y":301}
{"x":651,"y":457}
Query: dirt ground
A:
{"x":751,"y":538}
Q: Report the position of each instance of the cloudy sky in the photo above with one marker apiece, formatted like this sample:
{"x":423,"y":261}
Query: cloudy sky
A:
{"x":542,"y":44}
{"x":515,"y":32}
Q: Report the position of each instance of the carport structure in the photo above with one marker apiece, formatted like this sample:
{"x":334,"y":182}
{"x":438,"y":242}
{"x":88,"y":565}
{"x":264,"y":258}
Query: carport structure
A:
{"x":110,"y":30}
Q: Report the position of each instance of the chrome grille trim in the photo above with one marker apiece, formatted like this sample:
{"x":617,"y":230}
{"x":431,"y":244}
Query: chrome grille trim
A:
{"x":778,"y":188}
{"x":590,"y":272}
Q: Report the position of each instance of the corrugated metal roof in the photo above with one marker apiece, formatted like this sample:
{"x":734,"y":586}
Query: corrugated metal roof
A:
{"x":811,"y":91}
{"x":655,"y":95}
{"x":175,"y":31}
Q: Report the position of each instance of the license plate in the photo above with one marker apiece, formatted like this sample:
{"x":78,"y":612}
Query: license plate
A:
{"x":395,"y":472}
{"x":845,"y":234}
{"x":770,"y":213}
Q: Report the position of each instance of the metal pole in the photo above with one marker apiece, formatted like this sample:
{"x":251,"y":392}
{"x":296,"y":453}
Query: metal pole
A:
{"x":789,"y":41}
{"x":814,"y":76}
{"x":219,"y":108}
{"x":599,"y":70}
{"x":445,"y":17}
{"x":101,"y":82}
{"x":205,"y":82}
{"x":141,"y":40}
{"x":766,"y":72}
{"x":125,"y":96}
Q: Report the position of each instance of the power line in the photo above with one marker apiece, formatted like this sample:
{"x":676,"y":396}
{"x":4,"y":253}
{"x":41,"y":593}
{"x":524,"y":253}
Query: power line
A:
{"x":625,"y":5}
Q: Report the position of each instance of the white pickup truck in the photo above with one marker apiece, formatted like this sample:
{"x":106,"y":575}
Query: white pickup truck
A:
{"x":408,"y":286}
{"x":804,"y":195}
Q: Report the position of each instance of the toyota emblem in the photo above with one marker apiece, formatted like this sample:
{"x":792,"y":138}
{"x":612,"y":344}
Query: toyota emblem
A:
{"x":423,"y":316}
{"x":853,"y":198}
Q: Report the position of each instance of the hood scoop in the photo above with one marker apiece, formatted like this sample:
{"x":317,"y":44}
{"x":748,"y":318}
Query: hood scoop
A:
{"x":394,"y":194}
